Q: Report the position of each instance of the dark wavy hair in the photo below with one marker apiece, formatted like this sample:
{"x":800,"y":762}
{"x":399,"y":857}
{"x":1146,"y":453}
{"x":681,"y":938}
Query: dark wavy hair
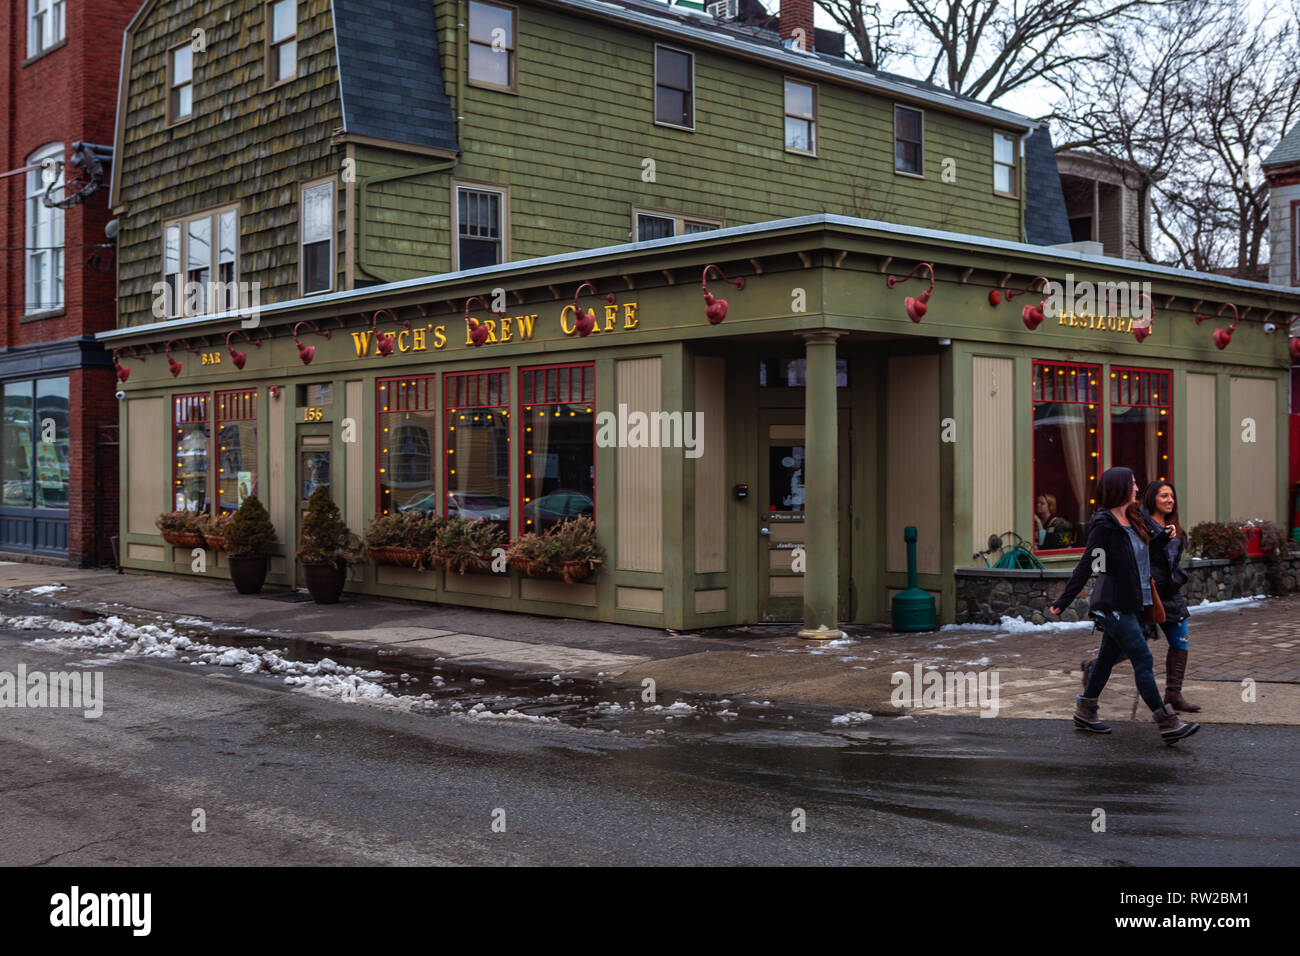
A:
{"x":1115,"y":489}
{"x":1149,"y":502}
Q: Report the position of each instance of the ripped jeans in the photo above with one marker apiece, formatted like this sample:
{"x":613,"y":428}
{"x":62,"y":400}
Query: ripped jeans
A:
{"x":1122,"y":637}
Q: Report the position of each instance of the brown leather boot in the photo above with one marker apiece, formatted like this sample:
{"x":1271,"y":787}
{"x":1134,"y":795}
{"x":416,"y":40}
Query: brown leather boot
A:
{"x":1175,"y":667}
{"x":1172,"y":729}
{"x":1086,"y":716}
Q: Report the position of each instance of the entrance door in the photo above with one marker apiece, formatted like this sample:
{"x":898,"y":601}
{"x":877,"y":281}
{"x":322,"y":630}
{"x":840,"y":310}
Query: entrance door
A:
{"x":315,"y":466}
{"x":781,"y":510}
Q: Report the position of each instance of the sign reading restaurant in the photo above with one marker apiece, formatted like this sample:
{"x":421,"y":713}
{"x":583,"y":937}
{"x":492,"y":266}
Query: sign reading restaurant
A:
{"x":505,"y":328}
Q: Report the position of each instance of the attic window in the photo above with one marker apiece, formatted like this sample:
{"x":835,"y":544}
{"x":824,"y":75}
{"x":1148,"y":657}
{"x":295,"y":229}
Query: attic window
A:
{"x":1006,"y":171}
{"x":492,"y":45}
{"x":281,"y":41}
{"x":674,"y":88}
{"x":909,"y":141}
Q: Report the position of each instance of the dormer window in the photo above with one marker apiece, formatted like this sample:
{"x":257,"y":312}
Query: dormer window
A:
{"x":1006,"y":169}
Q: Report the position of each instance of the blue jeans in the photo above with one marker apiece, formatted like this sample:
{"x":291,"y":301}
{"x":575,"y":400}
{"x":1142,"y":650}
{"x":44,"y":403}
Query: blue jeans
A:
{"x":1176,"y":633}
{"x":1122,"y":637}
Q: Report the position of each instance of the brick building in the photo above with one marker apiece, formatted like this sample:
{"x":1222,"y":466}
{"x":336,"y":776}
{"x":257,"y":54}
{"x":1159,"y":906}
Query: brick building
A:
{"x":57,"y":446}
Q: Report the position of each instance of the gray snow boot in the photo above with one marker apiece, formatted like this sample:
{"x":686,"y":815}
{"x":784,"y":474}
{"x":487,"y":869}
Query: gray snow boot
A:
{"x":1086,"y":717}
{"x":1172,"y":729}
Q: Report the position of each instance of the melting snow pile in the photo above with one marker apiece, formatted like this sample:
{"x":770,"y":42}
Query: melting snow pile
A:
{"x":851,"y":718}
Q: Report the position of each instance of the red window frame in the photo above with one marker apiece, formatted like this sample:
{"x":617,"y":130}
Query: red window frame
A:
{"x":243,"y":405}
{"x":1034,"y":400}
{"x":527,"y":401}
{"x":190,"y":409}
{"x":415,"y":393}
{"x":1166,"y":405}
{"x":453,"y":379}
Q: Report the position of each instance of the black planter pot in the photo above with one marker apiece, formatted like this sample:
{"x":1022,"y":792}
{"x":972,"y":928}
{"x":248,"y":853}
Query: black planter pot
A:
{"x":248,"y":573}
{"x":325,"y":581}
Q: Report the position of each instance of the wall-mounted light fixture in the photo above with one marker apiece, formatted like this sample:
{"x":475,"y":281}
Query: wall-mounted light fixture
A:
{"x":172,"y":364}
{"x":916,"y":306}
{"x":1222,"y":336}
{"x":478,"y":331}
{"x":236,"y":356}
{"x":585,"y":322}
{"x":1142,"y":327}
{"x":715,"y":310}
{"x":384,"y":341}
{"x":307,"y":352}
{"x":1033,"y":313}
{"x":123,"y":373}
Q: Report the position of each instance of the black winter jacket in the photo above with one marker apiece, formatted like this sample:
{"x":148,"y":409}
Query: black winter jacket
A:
{"x":1169,"y":577}
{"x":1118,"y":587}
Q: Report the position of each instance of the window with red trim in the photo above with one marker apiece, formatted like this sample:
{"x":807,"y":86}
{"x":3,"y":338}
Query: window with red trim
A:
{"x":236,"y":447}
{"x":477,"y":442}
{"x":1067,"y":452}
{"x":191,"y":431}
{"x":407,"y":429}
{"x":558,"y":439}
{"x":1141,"y":419}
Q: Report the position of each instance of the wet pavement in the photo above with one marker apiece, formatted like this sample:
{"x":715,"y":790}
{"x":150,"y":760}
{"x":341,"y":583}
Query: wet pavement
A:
{"x":584,"y":771}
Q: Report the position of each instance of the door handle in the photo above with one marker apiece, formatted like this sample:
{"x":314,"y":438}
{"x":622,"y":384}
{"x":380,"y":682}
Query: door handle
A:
{"x":767,"y":532}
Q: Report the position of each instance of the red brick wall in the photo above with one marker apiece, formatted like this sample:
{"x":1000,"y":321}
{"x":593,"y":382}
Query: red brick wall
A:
{"x":69,"y":94}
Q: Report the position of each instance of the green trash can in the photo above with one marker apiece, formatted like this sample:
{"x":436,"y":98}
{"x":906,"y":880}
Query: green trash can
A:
{"x":913,"y":609}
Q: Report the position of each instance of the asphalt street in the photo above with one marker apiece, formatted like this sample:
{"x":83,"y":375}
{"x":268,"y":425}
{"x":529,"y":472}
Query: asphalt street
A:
{"x":282,"y":777}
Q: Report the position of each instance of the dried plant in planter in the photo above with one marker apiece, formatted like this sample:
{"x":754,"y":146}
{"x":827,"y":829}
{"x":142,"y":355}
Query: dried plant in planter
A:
{"x":465,"y":545}
{"x":1217,"y":539}
{"x":404,"y":539}
{"x":182,"y":528}
{"x":214,"y":530}
{"x":580,"y":550}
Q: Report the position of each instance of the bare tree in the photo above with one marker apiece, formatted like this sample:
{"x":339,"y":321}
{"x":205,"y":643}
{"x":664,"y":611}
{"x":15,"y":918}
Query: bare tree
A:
{"x":984,"y":48}
{"x":1186,"y":109}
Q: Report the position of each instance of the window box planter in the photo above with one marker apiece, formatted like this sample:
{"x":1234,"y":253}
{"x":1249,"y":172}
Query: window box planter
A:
{"x":217,"y":542}
{"x":399,"y":557}
{"x":184,"y":539}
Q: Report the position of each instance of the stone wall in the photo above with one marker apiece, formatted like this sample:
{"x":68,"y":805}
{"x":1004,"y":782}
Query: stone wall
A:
{"x":985,"y":595}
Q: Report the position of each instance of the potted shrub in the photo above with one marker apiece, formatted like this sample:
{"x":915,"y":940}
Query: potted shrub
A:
{"x":403,"y":539}
{"x":326,"y":548}
{"x":1215,"y":539}
{"x":580,"y":552}
{"x":181,"y":528}
{"x":249,"y":541}
{"x":462,"y":544}
{"x":214,"y":530}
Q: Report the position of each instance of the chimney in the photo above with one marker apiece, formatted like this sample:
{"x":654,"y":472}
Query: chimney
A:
{"x":798,"y":15}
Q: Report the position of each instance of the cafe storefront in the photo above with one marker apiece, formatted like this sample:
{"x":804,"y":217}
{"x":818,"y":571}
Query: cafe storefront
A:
{"x":761,"y":467}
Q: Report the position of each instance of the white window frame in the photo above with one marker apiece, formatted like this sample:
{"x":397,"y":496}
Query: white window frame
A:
{"x":1015,"y":164}
{"x":654,"y":100}
{"x":43,"y":231}
{"x":810,"y":119}
{"x":302,"y":237}
{"x":40,"y":15}
{"x":172,"y":86}
{"x":680,"y":222}
{"x":215,"y":261}
{"x":512,"y":59}
{"x":503,"y":191}
{"x":920,"y":174}
{"x":273,"y":45}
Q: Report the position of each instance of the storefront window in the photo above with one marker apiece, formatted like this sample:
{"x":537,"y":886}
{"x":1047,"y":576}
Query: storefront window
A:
{"x":478,"y":446}
{"x":236,"y":448}
{"x":34,"y":443}
{"x":1067,"y":452}
{"x":407,"y":423}
{"x":793,"y":373}
{"x":191,"y":430}
{"x":51,"y":443}
{"x":1141,"y":406}
{"x":18,"y":444}
{"x":559,"y":444}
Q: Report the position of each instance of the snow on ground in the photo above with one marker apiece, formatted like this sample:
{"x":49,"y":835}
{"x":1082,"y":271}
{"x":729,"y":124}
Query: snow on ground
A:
{"x":1234,"y":603}
{"x":1018,"y":625}
{"x":851,"y":718}
{"x":46,"y":589}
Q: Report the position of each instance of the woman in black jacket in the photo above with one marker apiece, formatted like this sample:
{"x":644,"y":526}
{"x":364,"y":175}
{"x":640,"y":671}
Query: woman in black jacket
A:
{"x":1118,"y":548}
{"x":1160,"y":505}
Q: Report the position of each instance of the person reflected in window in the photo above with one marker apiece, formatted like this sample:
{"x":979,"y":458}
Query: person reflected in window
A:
{"x":1050,"y":529}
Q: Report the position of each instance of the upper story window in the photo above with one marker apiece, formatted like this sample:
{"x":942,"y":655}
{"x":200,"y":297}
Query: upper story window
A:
{"x":281,"y":41}
{"x":909,"y":141}
{"x":180,"y":84}
{"x":44,"y":25}
{"x":800,"y":117}
{"x":194,"y":251}
{"x":1006,"y":169}
{"x":1295,"y":242}
{"x":481,"y":215}
{"x":661,"y":225}
{"x":44,"y":285}
{"x":318,"y":238}
{"x":492,"y":45}
{"x":674,"y":88}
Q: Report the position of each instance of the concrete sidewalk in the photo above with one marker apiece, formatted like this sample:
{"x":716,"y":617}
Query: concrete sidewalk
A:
{"x":1234,"y":649}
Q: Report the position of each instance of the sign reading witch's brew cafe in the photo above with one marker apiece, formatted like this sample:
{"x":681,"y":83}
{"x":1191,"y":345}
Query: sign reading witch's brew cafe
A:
{"x":502,"y":329}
